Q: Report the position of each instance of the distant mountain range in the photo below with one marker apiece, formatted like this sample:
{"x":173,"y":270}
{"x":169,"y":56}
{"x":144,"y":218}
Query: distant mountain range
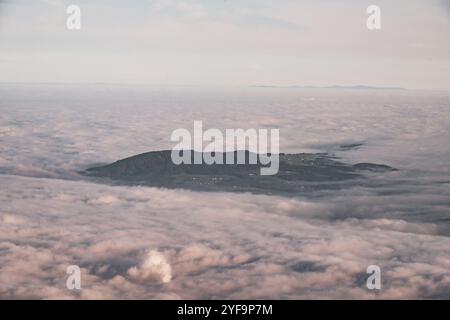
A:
{"x":298,"y":174}
{"x":357,"y":87}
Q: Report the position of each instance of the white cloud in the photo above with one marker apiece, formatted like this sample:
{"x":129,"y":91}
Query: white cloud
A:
{"x":153,"y":266}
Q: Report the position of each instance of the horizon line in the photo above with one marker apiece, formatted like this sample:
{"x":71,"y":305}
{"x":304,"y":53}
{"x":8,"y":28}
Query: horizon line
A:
{"x":262,"y":86}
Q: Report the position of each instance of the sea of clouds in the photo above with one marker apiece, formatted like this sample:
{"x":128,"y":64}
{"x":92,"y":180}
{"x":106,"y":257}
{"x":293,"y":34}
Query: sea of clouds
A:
{"x":140,"y":242}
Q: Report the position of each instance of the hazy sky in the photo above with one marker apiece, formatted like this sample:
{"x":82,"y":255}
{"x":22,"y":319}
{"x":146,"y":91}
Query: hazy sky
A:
{"x":226,"y":42}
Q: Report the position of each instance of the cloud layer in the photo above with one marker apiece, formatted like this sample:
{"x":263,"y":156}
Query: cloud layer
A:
{"x":138,"y":242}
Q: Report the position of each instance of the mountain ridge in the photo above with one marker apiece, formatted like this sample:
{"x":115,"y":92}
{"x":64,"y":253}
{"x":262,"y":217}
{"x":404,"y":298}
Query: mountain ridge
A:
{"x":298,"y":174}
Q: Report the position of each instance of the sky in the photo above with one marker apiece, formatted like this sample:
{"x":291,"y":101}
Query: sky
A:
{"x":225,"y":42}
